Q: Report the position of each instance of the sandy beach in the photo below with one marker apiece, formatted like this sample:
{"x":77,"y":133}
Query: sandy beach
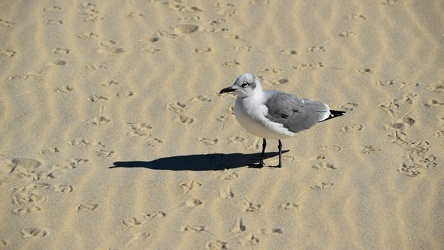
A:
{"x":114,"y":136}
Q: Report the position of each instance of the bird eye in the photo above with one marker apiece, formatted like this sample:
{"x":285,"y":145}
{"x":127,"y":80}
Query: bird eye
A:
{"x":245,"y":84}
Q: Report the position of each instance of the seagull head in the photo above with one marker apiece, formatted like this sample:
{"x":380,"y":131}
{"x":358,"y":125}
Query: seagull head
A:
{"x":245,"y":85}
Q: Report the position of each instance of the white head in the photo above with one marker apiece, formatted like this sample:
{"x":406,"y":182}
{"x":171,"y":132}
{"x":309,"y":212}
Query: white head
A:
{"x":245,"y":85}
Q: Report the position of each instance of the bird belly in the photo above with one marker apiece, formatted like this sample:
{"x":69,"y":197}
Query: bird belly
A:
{"x":256,"y":123}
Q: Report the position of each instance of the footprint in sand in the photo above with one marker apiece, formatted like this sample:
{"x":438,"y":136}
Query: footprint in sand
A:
{"x":364,"y":70}
{"x":322,"y":185}
{"x":21,"y":165}
{"x":8,"y":53}
{"x":108,"y":48}
{"x":133,"y":14}
{"x":53,"y":8}
{"x":28,"y":75}
{"x":249,"y":240}
{"x":99,"y":121}
{"x":236,"y":139}
{"x":110,"y":83}
{"x":407,"y":84}
{"x":60,"y":51}
{"x":277,"y":81}
{"x":189,"y":185}
{"x":238,"y":226}
{"x":54,"y":22}
{"x":56,"y":63}
{"x":134,"y":221}
{"x":105,"y":154}
{"x":175,"y":5}
{"x":289,"y":52}
{"x":289,"y":206}
{"x":193,"y":203}
{"x":225,"y":193}
{"x":157,"y":214}
{"x":182,"y":29}
{"x":216,"y":245}
{"x":85,"y":143}
{"x":63,"y":188}
{"x":207,"y":141}
{"x":303,"y":66}
{"x":316,"y":49}
{"x":246,"y":48}
{"x":251,"y":207}
{"x":96,"y":66}
{"x":34,"y":232}
{"x":151,"y":50}
{"x":176,"y":107}
{"x":223,"y":118}
{"x":347,"y":33}
{"x":27,"y":168}
{"x":348,"y":106}
{"x":87,"y":207}
{"x":5,"y":23}
{"x":87,"y":35}
{"x":90,"y":12}
{"x":388,"y":2}
{"x":124,"y":94}
{"x":417,"y":160}
{"x":324,"y":166}
{"x":369,"y":149}
{"x":139,"y":221}
{"x":64,"y":89}
{"x":192,"y":229}
{"x":140,"y":129}
{"x":28,"y":194}
{"x":433,"y":103}
{"x":97,"y":98}
{"x":405,"y":121}
{"x":200,"y":50}
{"x":152,"y":142}
{"x":260,"y":2}
{"x":352,"y":128}
{"x":138,"y":237}
{"x":385,"y":82}
{"x":271,"y":231}
{"x":357,"y":16}
{"x":27,"y":209}
{"x":184,"y":119}
{"x":189,"y":18}
{"x":436,"y":86}
{"x":438,"y":133}
{"x":75,"y":162}
{"x":200,"y":98}
{"x":231,"y":63}
{"x":329,"y":148}
{"x":227,"y":176}
{"x":272,"y":70}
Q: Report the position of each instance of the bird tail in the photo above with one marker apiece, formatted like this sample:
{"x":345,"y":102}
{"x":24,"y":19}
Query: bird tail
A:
{"x":334,"y":114}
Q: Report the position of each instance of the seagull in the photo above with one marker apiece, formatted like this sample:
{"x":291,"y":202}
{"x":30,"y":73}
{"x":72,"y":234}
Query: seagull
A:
{"x":272,"y":114}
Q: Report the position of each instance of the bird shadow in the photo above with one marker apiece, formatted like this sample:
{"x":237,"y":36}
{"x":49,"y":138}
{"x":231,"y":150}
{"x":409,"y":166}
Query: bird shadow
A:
{"x":199,"y":162}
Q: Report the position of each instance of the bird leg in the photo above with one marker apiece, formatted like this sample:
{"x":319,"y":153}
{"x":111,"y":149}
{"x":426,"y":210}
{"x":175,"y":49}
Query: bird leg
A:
{"x":280,"y":155}
{"x":261,"y":162}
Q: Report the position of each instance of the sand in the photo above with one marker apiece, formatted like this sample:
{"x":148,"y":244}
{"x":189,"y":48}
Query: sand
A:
{"x":113,"y":135}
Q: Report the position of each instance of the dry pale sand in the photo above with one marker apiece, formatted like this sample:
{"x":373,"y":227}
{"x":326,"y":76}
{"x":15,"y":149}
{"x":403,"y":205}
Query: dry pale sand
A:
{"x":113,"y":135}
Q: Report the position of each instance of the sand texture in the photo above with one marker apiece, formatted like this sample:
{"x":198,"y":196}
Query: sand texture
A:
{"x":113,"y":135}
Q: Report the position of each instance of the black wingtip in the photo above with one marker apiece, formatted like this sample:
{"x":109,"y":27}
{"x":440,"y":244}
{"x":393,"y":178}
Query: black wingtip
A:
{"x":334,"y":114}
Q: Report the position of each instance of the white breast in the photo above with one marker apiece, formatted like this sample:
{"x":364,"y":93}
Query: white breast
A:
{"x":250,"y":113}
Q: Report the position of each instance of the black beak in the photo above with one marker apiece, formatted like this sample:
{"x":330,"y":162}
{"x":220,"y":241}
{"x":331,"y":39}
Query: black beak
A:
{"x":226,"y":90}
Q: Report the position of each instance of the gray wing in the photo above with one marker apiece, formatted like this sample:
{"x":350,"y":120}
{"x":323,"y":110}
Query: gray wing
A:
{"x":294,"y":113}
